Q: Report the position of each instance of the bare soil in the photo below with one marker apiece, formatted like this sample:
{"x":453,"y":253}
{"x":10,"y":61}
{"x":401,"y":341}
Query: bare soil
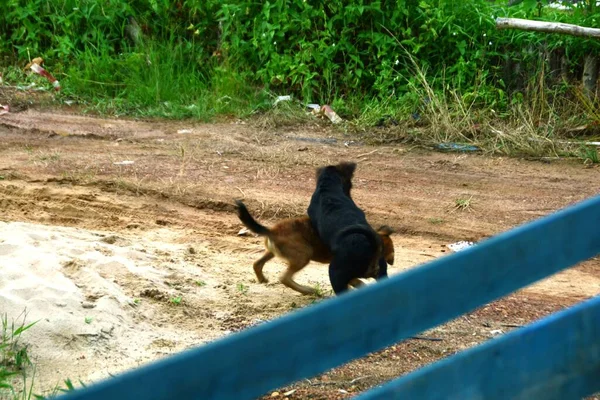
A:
{"x":172,"y":208}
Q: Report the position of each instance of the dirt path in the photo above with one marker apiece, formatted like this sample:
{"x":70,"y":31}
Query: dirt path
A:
{"x":147,"y":256}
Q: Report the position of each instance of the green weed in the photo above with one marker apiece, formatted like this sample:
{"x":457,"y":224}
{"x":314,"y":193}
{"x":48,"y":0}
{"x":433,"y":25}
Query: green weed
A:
{"x":243,"y":289}
{"x":439,"y":70}
{"x":589,"y":154}
{"x":14,"y":358}
{"x":58,"y":390}
{"x":319,"y":290}
{"x":176,"y":300}
{"x":463,"y":203}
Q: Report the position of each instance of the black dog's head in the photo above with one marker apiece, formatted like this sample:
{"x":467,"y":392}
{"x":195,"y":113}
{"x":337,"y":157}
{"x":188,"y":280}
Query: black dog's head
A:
{"x":345,"y":171}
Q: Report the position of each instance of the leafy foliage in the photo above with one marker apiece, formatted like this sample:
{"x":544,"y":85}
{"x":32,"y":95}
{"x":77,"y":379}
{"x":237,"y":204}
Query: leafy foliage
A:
{"x":152,"y":53}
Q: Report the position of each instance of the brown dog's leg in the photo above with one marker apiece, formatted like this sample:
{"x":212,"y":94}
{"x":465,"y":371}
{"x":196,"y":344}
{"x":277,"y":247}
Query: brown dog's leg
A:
{"x":287,"y":278}
{"x":356,"y":283}
{"x":259,"y":264}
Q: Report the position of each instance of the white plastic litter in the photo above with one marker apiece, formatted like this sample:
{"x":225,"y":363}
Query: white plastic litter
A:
{"x":459,"y":246}
{"x":282,"y":98}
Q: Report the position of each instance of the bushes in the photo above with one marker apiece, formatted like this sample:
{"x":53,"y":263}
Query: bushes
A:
{"x":319,"y":51}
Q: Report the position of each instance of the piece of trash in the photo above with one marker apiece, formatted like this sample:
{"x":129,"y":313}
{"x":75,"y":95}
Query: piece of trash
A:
{"x":28,"y":87}
{"x":4,"y":109}
{"x":36,"y":66}
{"x":282,"y":98}
{"x":329,"y":113}
{"x":37,"y":60}
{"x":496,"y":332}
{"x":69,"y":102}
{"x":386,"y":120}
{"x":275,"y":394}
{"x":459,"y":246}
{"x":431,"y":339}
{"x":315,"y":109}
{"x":291,"y":392}
{"x":225,"y":166}
{"x":456,"y":147}
{"x":183,"y":131}
{"x":243,"y":232}
{"x":567,"y":142}
{"x":343,"y":391}
{"x":126,"y":162}
{"x":316,"y":140}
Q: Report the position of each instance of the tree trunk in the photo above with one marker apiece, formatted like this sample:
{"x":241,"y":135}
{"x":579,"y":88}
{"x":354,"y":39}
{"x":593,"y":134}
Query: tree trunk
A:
{"x":548,"y":27}
{"x":564,"y":68}
{"x":555,"y":63}
{"x":590,"y":75}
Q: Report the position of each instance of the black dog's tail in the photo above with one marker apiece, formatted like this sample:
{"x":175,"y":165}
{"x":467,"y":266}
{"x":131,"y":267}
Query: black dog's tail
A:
{"x":249,"y":222}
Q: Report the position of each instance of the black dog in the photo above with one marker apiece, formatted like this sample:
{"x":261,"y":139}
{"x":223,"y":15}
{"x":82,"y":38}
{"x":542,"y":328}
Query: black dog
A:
{"x":342,"y":226}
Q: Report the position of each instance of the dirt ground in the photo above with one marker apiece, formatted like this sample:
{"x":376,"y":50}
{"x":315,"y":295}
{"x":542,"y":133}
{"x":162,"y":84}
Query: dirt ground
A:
{"x":148,"y":260}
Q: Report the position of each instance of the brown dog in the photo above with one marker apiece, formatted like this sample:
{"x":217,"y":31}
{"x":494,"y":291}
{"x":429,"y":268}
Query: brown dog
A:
{"x":295,"y":241}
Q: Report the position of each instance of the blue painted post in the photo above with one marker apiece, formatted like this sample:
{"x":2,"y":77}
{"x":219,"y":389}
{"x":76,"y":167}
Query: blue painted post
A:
{"x":312,"y":340}
{"x":557,"y":358}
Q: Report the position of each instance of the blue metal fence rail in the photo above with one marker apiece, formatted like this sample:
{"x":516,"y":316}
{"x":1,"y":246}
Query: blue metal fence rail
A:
{"x":557,"y":358}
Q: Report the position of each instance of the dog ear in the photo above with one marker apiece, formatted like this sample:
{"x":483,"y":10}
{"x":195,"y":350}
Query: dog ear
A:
{"x":385,"y":230}
{"x":347,"y":169}
{"x":388,"y":248}
{"x":318,"y":172}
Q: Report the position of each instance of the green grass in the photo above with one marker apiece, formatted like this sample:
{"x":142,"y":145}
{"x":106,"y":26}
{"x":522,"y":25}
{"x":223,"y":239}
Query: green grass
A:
{"x":319,"y":290}
{"x":243,"y":289}
{"x":176,"y":300}
{"x":167,"y":80}
{"x":17,"y":372}
{"x":589,"y":154}
{"x":463,"y":203}
{"x":15,"y":365}
{"x":159,"y":80}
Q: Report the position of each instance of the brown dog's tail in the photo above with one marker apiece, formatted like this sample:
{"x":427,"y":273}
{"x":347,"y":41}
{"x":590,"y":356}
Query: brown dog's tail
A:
{"x":249,"y":222}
